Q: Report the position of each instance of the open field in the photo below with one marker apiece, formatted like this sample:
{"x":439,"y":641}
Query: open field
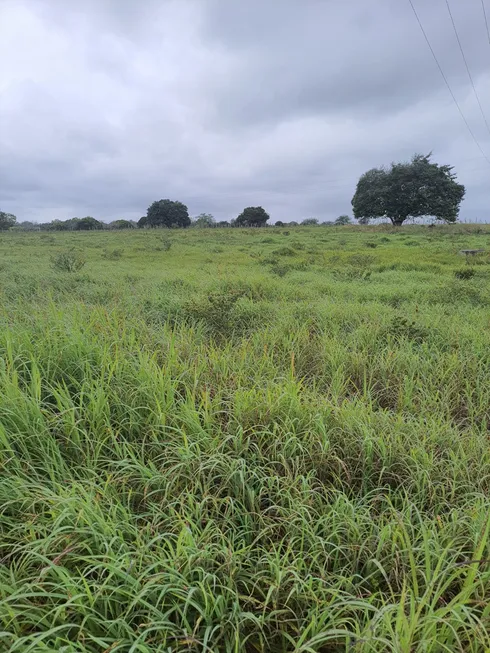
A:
{"x":262,"y":440}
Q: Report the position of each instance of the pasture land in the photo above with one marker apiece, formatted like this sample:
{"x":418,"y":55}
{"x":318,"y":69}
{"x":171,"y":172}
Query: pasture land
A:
{"x":234,"y":440}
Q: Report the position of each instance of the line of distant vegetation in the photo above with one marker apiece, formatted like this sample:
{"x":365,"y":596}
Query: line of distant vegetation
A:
{"x":403,"y":191}
{"x":202,"y":221}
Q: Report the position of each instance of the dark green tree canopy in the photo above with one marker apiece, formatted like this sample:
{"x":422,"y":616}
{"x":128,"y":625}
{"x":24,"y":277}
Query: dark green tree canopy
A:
{"x":121,"y":224}
{"x":63,"y":225}
{"x":408,"y":190}
{"x":252,"y":216}
{"x":59,"y":225}
{"x":7,"y":220}
{"x":87,"y":224}
{"x":342,"y":220}
{"x":166,"y":213}
{"x":279,"y":223}
{"x":309,"y":222}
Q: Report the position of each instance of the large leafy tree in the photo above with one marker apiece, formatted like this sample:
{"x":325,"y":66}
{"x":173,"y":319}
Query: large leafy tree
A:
{"x":7,"y":220}
{"x":252,"y":216}
{"x":408,"y":190}
{"x":166,"y":213}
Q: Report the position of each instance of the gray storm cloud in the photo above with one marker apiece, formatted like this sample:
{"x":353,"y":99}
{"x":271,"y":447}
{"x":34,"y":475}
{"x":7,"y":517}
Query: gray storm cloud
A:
{"x":108,"y":105}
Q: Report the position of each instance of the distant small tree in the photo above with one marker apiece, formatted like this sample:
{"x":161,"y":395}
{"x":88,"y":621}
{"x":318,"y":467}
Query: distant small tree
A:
{"x":63,"y":225}
{"x":27,"y":225}
{"x":204,"y":221}
{"x":309,"y":222}
{"x":252,"y":216}
{"x":7,"y":220}
{"x":121,"y":224}
{"x":88,"y":224}
{"x":343,"y":220}
{"x":223,"y":223}
{"x":279,"y":223}
{"x":56,"y":225}
{"x":408,"y":190}
{"x":327,"y":223}
{"x":166,"y":213}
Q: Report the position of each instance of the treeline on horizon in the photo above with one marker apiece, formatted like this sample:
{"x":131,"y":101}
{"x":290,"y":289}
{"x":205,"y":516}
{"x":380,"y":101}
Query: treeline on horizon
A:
{"x":171,"y":215}
{"x":91,"y":224}
{"x":407,"y":190}
{"x":82,"y":224}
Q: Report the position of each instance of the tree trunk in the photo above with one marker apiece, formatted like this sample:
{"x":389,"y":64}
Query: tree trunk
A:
{"x":397,"y":222}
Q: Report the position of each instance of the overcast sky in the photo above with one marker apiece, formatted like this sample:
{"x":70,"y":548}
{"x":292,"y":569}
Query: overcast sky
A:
{"x":107,"y":105}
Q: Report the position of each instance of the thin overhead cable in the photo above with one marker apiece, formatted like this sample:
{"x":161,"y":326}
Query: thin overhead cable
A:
{"x":447,"y":83}
{"x":467,"y":67}
{"x":486,"y":19}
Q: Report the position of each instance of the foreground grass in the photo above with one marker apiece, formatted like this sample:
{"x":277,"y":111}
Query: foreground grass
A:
{"x":249,"y":441}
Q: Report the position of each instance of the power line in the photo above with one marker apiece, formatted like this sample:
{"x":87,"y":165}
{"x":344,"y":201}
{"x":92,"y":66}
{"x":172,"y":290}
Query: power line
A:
{"x":467,"y":67}
{"x":486,"y":19}
{"x":447,"y":83}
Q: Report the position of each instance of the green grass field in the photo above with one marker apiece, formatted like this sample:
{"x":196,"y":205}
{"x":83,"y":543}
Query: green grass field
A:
{"x":258,"y":440}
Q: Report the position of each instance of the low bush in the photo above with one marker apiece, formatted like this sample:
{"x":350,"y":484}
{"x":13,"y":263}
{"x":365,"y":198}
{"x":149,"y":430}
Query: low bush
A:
{"x":280,"y":269}
{"x":165,"y":244}
{"x":70,"y":260}
{"x":403,"y":327}
{"x":464,"y":274}
{"x":112,"y":254}
{"x":284,"y":251}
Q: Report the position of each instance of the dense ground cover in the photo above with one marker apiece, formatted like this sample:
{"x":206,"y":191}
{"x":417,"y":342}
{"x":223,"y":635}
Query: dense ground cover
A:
{"x":258,"y":440}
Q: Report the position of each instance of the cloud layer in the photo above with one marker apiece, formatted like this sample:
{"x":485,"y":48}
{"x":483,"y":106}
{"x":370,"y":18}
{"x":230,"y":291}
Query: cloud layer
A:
{"x":107,"y":105}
